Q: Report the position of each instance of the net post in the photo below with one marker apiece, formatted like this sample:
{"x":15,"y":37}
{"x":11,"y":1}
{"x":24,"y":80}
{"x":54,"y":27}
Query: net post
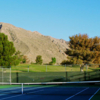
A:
{"x":22,"y":88}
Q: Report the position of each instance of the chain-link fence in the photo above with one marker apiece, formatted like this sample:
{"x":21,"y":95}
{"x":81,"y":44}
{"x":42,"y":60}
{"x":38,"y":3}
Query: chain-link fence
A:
{"x":69,"y":73}
{"x":5,"y":75}
{"x":30,"y":77}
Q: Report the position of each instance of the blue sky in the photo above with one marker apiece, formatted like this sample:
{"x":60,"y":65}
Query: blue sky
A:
{"x":57,"y":18}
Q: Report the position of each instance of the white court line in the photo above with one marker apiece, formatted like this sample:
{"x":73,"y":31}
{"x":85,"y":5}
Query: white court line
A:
{"x":36,"y":91}
{"x":77,"y":93}
{"x":18,"y":90}
{"x":5,"y":91}
{"x":19,"y":94}
{"x":94,"y":94}
{"x":11,"y":97}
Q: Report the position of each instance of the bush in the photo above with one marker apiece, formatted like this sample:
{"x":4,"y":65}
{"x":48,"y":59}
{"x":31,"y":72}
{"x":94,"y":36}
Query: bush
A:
{"x":25,"y":59}
{"x":53,"y":61}
{"x":63,"y":62}
{"x":39,"y":59}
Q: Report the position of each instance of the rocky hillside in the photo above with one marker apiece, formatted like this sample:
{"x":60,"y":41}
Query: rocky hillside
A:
{"x":32,"y":44}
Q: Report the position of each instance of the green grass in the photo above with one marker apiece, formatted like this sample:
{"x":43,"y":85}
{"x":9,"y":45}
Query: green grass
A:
{"x":8,"y":86}
{"x":47,"y":68}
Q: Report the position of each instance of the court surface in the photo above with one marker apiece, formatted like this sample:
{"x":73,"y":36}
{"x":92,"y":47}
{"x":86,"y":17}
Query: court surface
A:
{"x":50,"y":93}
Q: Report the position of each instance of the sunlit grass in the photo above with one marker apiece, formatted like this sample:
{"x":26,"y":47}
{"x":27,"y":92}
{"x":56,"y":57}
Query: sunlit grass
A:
{"x":48,"y":68}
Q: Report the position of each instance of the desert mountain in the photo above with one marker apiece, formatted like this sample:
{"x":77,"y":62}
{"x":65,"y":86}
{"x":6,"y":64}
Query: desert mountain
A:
{"x":32,"y":44}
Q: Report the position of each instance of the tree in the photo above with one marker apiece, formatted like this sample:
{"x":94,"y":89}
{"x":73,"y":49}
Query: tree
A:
{"x":53,"y":61}
{"x":39,"y":59}
{"x":18,"y":57}
{"x":83,"y":50}
{"x":7,"y":50}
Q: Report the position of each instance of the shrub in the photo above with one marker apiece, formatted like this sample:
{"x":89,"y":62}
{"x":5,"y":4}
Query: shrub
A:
{"x":39,"y":59}
{"x":53,"y":61}
{"x":63,"y":62}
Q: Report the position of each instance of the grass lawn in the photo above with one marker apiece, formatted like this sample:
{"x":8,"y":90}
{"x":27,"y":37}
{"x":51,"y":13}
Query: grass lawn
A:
{"x":47,"y":68}
{"x":9,"y":86}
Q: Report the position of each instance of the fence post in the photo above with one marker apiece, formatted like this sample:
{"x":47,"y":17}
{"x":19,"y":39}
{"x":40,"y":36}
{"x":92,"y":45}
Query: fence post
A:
{"x":66,"y":76}
{"x":86,"y":67}
{"x":28,"y":68}
{"x":65,"y":67}
{"x":84,"y":75}
{"x":17,"y":77}
{"x":10,"y":74}
{"x":2,"y":75}
{"x":88,"y":75}
{"x":46,"y":68}
{"x":99,"y":73}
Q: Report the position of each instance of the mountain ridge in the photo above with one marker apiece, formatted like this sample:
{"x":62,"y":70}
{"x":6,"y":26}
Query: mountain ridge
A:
{"x":34,"y":43}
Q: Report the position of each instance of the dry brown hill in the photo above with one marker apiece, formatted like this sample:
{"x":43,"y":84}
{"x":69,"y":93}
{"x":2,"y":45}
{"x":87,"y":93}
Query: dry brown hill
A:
{"x":32,"y":44}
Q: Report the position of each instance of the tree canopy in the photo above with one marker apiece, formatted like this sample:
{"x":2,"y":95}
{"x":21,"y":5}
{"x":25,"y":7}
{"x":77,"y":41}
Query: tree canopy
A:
{"x":83,"y":50}
{"x":7,"y":51}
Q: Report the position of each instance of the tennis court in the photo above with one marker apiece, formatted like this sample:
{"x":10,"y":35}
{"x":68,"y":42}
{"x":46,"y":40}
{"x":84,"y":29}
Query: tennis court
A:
{"x":86,"y":90}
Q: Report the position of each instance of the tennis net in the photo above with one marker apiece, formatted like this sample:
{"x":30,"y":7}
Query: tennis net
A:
{"x":48,"y":88}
